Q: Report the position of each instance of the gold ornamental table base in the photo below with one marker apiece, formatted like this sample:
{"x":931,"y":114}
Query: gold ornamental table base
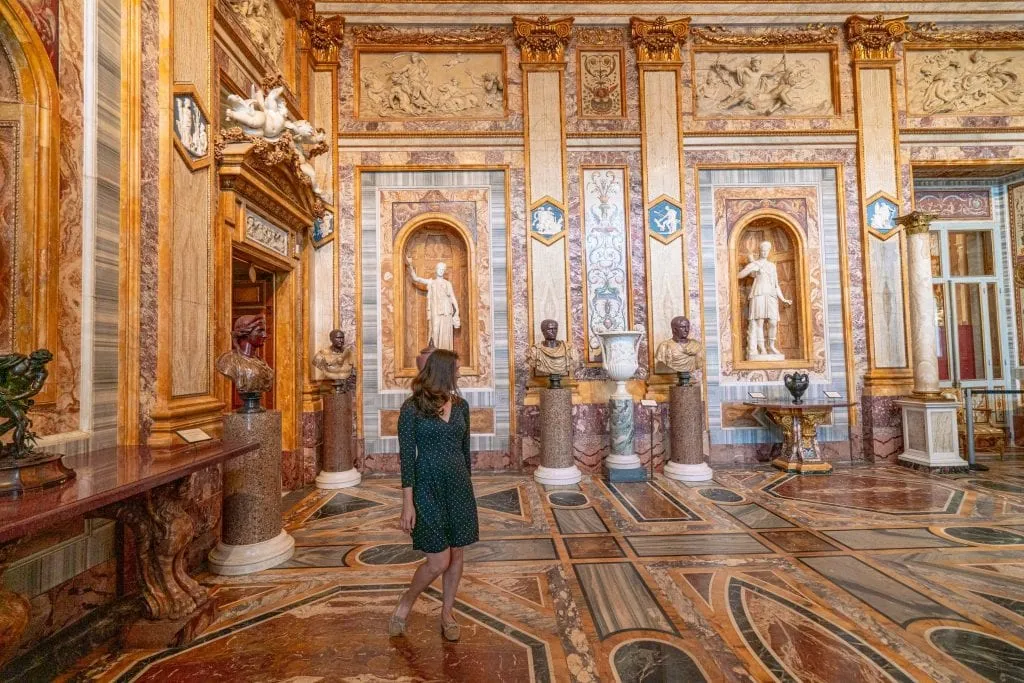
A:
{"x":799,"y":452}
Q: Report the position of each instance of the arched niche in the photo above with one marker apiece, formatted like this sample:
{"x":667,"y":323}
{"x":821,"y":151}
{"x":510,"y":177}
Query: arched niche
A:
{"x":430,"y":239}
{"x":29,"y":136}
{"x":790,"y":258}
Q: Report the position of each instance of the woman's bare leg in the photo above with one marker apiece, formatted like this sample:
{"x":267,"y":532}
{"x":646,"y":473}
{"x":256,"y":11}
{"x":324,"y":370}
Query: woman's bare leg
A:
{"x":435,"y":566}
{"x":450,"y":584}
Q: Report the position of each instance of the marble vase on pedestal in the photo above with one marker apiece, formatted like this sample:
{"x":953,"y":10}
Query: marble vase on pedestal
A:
{"x":619,"y":357}
{"x":253,"y":538}
{"x":558,"y":466}
{"x":338,"y":471}
{"x":686,"y":434}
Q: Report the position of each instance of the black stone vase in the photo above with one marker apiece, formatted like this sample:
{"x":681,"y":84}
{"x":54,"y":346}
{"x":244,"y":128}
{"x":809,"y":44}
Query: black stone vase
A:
{"x":797,"y":384}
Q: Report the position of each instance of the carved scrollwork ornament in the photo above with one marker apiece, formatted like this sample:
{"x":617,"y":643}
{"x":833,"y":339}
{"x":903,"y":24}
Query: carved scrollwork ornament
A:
{"x":542,"y":41}
{"x":875,"y":38}
{"x":812,"y":34}
{"x":660,"y":40}
{"x":916,"y":222}
{"x":1018,"y":270}
{"x":389,"y":35}
{"x":930,"y":33}
{"x":598,"y":36}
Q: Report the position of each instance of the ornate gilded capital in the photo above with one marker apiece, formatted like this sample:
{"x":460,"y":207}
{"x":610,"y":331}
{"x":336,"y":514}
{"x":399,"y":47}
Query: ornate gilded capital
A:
{"x":875,"y":38}
{"x":916,"y":222}
{"x":322,"y":35}
{"x":660,"y":40}
{"x":542,"y":41}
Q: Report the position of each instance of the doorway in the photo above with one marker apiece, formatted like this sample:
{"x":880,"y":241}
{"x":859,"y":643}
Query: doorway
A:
{"x":252,"y":293}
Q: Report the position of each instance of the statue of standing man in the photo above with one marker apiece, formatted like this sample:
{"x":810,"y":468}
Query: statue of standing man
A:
{"x":763,"y":309}
{"x":442,"y":307}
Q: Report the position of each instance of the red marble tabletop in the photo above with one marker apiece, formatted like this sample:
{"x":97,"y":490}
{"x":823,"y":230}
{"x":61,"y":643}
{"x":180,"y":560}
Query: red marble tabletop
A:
{"x":107,"y":476}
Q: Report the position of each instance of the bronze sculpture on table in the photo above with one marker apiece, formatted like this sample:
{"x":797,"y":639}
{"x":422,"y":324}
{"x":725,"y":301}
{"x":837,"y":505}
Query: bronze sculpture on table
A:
{"x":336,"y":361}
{"x":552,"y":357}
{"x":21,"y":378}
{"x":680,"y":354}
{"x":250,"y":374}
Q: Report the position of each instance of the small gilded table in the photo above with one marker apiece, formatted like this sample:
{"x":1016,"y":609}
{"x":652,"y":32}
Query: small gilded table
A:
{"x":799,"y":451}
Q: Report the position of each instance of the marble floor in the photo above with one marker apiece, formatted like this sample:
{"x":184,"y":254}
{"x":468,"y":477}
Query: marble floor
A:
{"x":870,"y":574}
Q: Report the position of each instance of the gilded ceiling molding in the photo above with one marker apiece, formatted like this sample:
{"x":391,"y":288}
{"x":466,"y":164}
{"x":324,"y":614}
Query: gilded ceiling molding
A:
{"x":598,"y":36}
{"x":916,"y":222}
{"x":812,"y":34}
{"x":542,"y":41}
{"x":875,"y":39}
{"x":930,"y":33}
{"x":660,"y":40}
{"x":390,"y":35}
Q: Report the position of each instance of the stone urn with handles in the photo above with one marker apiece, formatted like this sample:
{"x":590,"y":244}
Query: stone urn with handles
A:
{"x":619,"y":357}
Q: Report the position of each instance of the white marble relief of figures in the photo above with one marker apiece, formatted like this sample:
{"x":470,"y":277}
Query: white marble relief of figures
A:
{"x":264,"y":23}
{"x":751,"y":86}
{"x":961,"y":82}
{"x":547,"y":221}
{"x":191,"y":126}
{"x":411,"y":84}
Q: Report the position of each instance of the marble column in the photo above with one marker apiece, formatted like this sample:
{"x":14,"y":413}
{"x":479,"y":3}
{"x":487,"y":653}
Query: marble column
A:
{"x":623,"y":463}
{"x":558,"y":466}
{"x":686,"y":435}
{"x":929,"y":420}
{"x":253,"y":537}
{"x":338,"y":471}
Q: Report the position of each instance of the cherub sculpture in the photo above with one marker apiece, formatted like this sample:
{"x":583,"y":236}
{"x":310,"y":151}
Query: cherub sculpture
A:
{"x":21,"y":378}
{"x":261,"y":115}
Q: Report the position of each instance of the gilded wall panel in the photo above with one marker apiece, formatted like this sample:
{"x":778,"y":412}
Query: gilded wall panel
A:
{"x":190,"y":293}
{"x":10,"y":193}
{"x":420,"y":84}
{"x":734,"y":208}
{"x":398,"y":210}
{"x":191,"y":53}
{"x":958,"y":82}
{"x":764,"y":84}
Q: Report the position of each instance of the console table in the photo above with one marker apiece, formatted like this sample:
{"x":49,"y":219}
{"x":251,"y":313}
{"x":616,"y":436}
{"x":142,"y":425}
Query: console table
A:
{"x":799,"y":451}
{"x":144,"y":488}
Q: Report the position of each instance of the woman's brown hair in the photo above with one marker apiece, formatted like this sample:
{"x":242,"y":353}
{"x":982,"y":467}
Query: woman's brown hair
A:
{"x":436,"y":383}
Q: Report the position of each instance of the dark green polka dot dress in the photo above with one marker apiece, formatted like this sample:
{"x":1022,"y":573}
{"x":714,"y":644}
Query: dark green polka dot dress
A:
{"x":435,"y":463}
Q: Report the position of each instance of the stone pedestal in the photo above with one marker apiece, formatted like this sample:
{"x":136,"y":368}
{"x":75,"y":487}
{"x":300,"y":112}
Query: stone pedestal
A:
{"x":929,"y":435}
{"x":558,"y":466}
{"x":338,"y":472}
{"x":253,"y":538}
{"x":686,"y":434}
{"x":623,"y":463}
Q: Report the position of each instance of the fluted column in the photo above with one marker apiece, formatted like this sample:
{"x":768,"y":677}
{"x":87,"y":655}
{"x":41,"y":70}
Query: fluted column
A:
{"x":922,"y":303}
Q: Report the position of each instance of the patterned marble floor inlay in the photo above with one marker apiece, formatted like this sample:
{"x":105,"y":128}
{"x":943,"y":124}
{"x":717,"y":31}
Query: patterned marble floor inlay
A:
{"x":871,"y":574}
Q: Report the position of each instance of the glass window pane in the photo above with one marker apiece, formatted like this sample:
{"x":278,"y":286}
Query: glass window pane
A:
{"x":970,"y":344}
{"x":993,"y":320}
{"x":936,"y":253}
{"x":942,"y":334}
{"x":970,"y":253}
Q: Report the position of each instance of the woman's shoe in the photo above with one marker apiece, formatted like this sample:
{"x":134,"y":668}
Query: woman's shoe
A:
{"x":450,"y":631}
{"x":396,"y":625}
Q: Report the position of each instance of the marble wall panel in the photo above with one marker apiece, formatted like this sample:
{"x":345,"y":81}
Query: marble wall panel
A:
{"x":887,"y":309}
{"x":661,"y":130}
{"x":1015,"y":205}
{"x":191,"y":52}
{"x":955,"y":204}
{"x":606,"y":256}
{"x":322,"y":116}
{"x":547,"y":271}
{"x":10,"y":194}
{"x":323,"y":304}
{"x":545,"y":136}
{"x":423,"y":40}
{"x":878,"y":141}
{"x":601,"y":39}
{"x":763,"y":84}
{"x":951,"y":82}
{"x":190,"y":284}
{"x":667,"y":280}
{"x":602,"y":93}
{"x":44,"y":17}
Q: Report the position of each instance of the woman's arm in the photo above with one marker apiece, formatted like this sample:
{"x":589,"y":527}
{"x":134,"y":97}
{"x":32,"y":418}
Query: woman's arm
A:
{"x":465,"y":442}
{"x":407,"y":458}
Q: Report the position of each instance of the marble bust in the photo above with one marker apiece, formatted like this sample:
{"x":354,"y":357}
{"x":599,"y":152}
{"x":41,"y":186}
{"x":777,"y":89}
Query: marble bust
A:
{"x":249,"y":373}
{"x":680,"y":354}
{"x":552,"y":357}
{"x":335,"y":361}
{"x":763,"y":306}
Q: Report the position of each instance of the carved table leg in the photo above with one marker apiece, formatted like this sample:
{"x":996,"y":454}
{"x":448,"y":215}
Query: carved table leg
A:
{"x":177,"y":605}
{"x":810,"y":449}
{"x":14,"y":610}
{"x":788,"y":458}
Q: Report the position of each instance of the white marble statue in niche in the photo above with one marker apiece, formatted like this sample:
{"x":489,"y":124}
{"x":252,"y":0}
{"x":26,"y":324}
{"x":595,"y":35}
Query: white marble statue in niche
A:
{"x":442,"y":306}
{"x":763,"y":307}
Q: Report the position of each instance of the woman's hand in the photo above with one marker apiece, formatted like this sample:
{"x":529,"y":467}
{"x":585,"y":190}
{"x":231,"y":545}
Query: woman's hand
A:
{"x":408,"y":517}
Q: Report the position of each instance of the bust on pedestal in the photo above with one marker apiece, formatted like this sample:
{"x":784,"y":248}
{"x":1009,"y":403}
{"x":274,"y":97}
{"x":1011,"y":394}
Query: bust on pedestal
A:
{"x":253,"y":538}
{"x":336,"y":362}
{"x":686,"y":411}
{"x":554,"y":358}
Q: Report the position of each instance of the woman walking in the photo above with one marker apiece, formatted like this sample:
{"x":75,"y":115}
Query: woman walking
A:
{"x":438,"y":507}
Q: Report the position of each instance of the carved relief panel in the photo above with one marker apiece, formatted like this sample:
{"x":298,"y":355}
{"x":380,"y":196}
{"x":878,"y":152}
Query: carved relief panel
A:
{"x":950,"y":82}
{"x":601,"y":84}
